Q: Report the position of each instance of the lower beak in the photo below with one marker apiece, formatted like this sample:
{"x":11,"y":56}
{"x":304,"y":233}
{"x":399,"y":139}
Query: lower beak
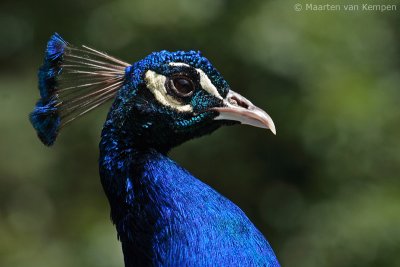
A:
{"x":238,"y":108}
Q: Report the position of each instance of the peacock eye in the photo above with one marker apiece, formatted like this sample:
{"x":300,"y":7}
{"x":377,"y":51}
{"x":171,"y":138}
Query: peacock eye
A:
{"x":181,"y":86}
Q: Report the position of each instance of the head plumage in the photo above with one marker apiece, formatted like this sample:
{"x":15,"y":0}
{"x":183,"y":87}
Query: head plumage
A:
{"x":73,"y":81}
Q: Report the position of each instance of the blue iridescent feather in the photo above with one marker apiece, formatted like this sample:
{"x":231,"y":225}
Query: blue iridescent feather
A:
{"x":167,"y":217}
{"x":46,"y":121}
{"x":45,"y":118}
{"x":72,"y":81}
{"x":51,"y":66}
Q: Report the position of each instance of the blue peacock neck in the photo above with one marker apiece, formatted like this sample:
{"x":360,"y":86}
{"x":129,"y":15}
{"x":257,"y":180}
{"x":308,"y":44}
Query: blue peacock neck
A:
{"x":127,"y":154}
{"x":163,"y":213}
{"x":121,"y":165}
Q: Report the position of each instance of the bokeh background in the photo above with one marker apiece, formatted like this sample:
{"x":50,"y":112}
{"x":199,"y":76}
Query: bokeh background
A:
{"x":325,"y":190}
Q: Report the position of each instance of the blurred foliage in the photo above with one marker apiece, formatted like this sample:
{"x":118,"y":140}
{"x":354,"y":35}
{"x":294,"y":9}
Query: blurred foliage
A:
{"x":325,"y":191}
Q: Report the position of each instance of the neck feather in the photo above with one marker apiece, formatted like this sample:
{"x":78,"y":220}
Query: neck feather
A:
{"x":123,"y":171}
{"x":159,"y":208}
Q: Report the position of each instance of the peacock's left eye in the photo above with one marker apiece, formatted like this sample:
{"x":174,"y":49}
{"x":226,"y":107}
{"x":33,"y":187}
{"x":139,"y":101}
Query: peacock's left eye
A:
{"x":181,"y":86}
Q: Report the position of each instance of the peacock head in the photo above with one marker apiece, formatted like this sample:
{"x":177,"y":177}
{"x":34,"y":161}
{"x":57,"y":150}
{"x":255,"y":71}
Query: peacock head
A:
{"x":171,"y":97}
{"x":160,"y":101}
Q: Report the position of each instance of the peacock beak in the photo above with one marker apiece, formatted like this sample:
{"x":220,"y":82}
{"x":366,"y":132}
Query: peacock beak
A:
{"x":238,"y":108}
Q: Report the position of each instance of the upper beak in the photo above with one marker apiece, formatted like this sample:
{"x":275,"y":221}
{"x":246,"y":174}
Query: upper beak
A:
{"x":238,"y":108}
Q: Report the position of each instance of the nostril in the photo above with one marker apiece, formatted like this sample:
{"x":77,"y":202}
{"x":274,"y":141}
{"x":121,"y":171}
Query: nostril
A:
{"x":233,"y":101}
{"x":238,"y":102}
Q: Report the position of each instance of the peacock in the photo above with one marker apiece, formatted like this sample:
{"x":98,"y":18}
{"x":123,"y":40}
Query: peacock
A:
{"x":163,"y":215}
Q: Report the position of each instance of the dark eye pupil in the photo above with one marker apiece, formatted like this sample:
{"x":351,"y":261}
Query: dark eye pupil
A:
{"x":183,"y":86}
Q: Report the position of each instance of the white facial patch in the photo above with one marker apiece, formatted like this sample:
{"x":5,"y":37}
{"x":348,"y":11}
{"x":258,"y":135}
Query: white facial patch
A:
{"x":207,"y":85}
{"x":179,"y":64}
{"x":156,"y":84}
{"x":205,"y":82}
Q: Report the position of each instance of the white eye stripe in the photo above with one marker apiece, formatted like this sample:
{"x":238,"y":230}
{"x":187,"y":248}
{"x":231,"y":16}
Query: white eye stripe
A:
{"x":179,"y":64}
{"x":205,"y":82}
{"x":156,"y":85}
{"x":207,"y":85}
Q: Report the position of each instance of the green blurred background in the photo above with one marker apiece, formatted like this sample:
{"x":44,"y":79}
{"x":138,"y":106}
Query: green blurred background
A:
{"x":325,"y":190}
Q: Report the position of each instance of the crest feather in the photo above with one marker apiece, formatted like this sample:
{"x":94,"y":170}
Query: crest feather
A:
{"x":73,"y":81}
